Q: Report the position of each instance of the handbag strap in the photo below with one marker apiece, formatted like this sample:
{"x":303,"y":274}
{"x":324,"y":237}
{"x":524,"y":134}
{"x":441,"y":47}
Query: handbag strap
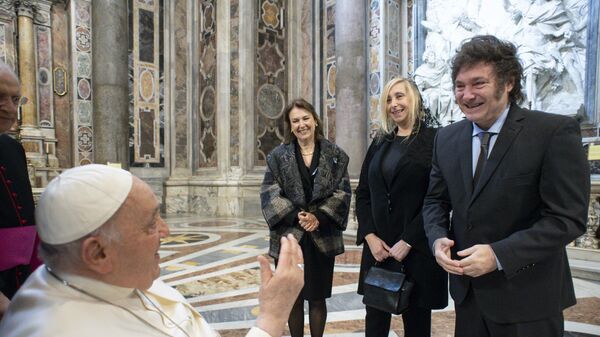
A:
{"x":381,"y":264}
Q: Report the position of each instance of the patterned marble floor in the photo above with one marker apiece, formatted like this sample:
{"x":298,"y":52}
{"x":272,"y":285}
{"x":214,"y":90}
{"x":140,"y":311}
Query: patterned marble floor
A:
{"x":213,"y":263}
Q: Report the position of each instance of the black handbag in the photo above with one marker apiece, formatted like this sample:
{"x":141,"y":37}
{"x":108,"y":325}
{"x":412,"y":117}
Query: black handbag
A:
{"x":387,"y":290}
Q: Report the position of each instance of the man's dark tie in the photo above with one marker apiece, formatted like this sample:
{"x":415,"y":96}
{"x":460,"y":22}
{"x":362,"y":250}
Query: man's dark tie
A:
{"x":484,"y":141}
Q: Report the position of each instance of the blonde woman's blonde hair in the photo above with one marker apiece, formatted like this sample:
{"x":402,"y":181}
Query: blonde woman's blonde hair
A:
{"x":415,"y":111}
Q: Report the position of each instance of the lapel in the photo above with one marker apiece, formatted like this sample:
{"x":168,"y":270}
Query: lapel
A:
{"x":325,"y":175}
{"x":406,"y":158}
{"x":400,"y":166}
{"x":320,"y":175}
{"x":466,"y":157}
{"x":511,"y":128}
{"x":291,"y":175}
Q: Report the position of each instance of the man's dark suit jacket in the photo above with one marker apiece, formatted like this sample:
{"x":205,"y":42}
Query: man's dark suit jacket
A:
{"x":531,"y":201}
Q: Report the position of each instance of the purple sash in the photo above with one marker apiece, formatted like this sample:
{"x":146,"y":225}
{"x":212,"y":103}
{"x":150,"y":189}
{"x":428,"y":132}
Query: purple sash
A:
{"x":16,"y":246}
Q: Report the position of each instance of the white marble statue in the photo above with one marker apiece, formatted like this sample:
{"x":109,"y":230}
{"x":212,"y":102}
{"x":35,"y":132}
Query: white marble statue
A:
{"x":550,"y":36}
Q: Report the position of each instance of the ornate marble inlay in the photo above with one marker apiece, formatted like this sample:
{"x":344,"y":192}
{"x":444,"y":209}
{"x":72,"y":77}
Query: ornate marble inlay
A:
{"x":2,"y":43}
{"x":44,"y":86}
{"x":270,"y":14}
{"x":328,"y":70}
{"x":270,"y":101}
{"x":84,"y":89}
{"x":208,"y":80}
{"x":146,"y":111}
{"x":81,"y":40}
{"x":207,"y":106}
{"x":84,"y":65}
{"x":271,"y":80}
{"x":85,"y":112}
{"x":393,"y":28}
{"x":84,"y":139}
{"x":271,"y":59}
{"x":147,"y":85}
{"x":234,"y":103}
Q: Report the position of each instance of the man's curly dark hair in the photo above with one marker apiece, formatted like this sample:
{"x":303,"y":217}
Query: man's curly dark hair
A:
{"x":502,"y":55}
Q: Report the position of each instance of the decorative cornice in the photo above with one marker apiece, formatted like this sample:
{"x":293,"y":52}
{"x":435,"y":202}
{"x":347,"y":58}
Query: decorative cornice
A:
{"x":8,"y":6}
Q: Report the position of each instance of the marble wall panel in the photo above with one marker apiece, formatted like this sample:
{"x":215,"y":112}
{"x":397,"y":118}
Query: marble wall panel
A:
{"x":62,"y":108}
{"x":307,"y":82}
{"x":409,"y":43}
{"x":44,"y":77}
{"x":180,"y":99}
{"x":82,"y":94}
{"x":207,"y":130}
{"x":271,"y":77}
{"x":204,"y":200}
{"x":7,"y":41}
{"x":3,"y":42}
{"x":234,"y":103}
{"x":146,"y":115}
{"x":393,"y":29}
{"x":375,"y":83}
{"x":328,"y":67}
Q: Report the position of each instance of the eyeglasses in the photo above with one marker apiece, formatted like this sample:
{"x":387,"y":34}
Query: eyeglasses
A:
{"x":18,"y":101}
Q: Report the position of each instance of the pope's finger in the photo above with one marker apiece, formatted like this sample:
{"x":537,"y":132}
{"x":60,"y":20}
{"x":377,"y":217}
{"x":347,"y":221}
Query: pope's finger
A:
{"x":265,"y":270}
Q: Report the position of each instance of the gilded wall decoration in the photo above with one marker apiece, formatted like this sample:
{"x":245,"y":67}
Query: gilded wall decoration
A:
{"x":60,"y":81}
{"x":81,"y":13}
{"x":207,"y":130}
{"x":271,"y":81}
{"x":145,"y":67}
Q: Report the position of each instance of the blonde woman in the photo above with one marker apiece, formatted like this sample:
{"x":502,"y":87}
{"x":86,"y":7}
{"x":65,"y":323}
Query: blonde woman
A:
{"x":393,"y":183}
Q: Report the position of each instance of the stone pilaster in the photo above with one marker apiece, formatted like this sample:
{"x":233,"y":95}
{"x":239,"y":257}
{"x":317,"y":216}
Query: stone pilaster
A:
{"x":110,"y":81}
{"x":351,"y":85}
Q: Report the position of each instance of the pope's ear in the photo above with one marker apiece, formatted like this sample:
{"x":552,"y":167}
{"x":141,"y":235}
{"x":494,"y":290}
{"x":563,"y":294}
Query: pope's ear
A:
{"x":93,"y":255}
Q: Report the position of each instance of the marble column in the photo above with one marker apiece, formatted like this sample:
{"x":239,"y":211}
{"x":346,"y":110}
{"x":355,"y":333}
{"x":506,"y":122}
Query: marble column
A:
{"x":351,"y":81}
{"x":110,"y":81}
{"x":27,"y":66}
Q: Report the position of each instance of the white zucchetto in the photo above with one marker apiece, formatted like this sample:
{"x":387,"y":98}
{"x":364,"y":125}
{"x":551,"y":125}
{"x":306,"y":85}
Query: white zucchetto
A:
{"x":79,"y":201}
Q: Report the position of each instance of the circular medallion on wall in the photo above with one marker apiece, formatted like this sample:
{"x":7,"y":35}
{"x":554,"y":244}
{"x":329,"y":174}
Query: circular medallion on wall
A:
{"x":270,"y":101}
{"x":43,"y":76}
{"x":331,"y":72}
{"x":84,"y":89}
{"x":207,"y":103}
{"x":374,"y":84}
{"x":82,"y":39}
{"x":84,"y":138}
{"x":147,"y":85}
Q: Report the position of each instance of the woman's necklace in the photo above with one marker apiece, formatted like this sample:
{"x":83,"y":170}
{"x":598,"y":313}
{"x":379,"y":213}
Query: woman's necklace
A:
{"x":138,"y":292}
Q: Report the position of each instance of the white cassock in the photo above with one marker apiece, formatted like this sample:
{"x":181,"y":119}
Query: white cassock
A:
{"x":46,"y":307}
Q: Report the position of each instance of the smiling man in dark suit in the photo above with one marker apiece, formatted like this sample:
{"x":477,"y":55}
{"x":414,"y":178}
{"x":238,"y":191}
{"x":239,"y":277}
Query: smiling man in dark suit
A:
{"x":509,"y":189}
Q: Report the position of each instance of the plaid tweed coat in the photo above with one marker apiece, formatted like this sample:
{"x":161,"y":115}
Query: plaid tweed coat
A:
{"x":282,"y":196}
